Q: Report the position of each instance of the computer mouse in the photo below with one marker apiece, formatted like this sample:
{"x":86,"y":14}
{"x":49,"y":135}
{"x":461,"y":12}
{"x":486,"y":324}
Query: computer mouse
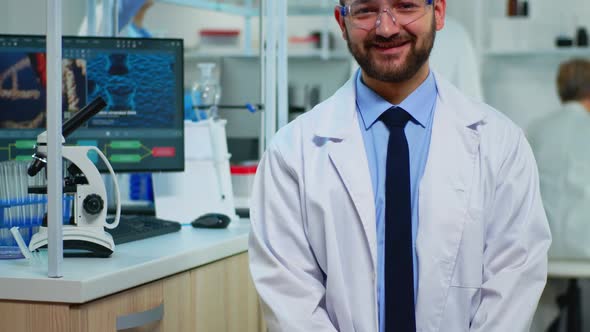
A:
{"x":211,"y":220}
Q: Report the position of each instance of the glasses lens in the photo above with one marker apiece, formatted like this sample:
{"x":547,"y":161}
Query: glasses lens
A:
{"x":364,"y":13}
{"x":408,"y":11}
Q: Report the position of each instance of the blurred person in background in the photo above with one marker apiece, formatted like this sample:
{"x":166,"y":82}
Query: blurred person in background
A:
{"x":560,"y":144}
{"x":130,"y":18}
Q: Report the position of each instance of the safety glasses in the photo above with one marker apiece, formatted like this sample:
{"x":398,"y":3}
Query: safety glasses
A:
{"x":368,"y":14}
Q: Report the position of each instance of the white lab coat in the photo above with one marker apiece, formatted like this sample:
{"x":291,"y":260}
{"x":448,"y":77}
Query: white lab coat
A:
{"x":482,"y":238}
{"x":560,"y":143}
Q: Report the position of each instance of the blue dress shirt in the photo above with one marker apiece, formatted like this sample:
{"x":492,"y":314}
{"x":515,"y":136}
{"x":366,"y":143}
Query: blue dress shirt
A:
{"x":420,"y":105}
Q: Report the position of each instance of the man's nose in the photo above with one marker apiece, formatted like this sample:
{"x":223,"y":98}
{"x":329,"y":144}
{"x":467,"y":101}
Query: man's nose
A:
{"x":387,"y":25}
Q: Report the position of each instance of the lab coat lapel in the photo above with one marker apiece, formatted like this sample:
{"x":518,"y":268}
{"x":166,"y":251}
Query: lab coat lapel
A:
{"x":347,"y":154}
{"x":350,"y":161}
{"x":443,"y":200}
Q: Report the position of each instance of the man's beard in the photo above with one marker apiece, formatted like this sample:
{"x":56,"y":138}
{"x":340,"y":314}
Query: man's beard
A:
{"x":385,"y":72}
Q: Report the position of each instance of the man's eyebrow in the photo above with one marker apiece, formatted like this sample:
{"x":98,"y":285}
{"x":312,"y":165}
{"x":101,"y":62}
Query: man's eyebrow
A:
{"x":362,"y":1}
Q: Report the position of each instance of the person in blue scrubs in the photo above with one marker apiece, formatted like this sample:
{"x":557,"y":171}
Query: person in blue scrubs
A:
{"x":131,"y":14}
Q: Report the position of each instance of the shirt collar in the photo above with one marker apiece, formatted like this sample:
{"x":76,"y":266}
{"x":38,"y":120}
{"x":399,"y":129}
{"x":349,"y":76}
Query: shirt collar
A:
{"x":575,"y":106}
{"x":419,"y":104}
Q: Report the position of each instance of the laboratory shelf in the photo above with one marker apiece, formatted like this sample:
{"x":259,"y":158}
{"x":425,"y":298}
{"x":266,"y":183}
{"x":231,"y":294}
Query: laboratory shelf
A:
{"x":225,"y":7}
{"x":234,"y":53}
{"x":302,"y":8}
{"x":556,"y":52}
{"x":311,"y":54}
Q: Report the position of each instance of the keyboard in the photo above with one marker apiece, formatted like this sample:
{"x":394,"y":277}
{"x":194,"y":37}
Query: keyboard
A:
{"x":139,"y":227}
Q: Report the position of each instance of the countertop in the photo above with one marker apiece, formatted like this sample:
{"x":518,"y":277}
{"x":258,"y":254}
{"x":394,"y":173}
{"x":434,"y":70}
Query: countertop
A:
{"x":132,"y":264}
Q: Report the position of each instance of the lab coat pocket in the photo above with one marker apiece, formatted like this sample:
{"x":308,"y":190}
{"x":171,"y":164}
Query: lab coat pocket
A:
{"x":468,"y":270}
{"x":461,"y":305}
{"x":465,"y":290}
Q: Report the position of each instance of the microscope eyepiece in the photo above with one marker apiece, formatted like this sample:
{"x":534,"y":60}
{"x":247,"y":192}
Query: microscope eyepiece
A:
{"x":39,"y":160}
{"x":82,"y":116}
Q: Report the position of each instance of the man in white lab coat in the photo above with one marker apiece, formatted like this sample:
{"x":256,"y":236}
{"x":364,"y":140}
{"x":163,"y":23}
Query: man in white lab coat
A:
{"x":560,"y":144}
{"x":398,"y":204}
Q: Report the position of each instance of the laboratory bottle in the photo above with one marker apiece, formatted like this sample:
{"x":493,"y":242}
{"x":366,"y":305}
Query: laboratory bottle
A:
{"x":523,"y":9}
{"x":206,"y":92}
{"x":512,"y":8}
{"x":582,"y":37}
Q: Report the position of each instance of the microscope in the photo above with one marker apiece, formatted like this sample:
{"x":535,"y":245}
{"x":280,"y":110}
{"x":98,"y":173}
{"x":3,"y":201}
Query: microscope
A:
{"x":85,"y":231}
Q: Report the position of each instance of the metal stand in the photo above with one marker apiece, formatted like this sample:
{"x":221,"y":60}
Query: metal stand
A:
{"x":569,"y":304}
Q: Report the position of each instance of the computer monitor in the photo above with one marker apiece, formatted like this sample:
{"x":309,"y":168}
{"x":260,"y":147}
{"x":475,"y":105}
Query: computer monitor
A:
{"x":141,"y":129}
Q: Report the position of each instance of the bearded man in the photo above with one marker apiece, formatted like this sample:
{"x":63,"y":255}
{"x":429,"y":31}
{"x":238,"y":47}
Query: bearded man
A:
{"x":398,"y":204}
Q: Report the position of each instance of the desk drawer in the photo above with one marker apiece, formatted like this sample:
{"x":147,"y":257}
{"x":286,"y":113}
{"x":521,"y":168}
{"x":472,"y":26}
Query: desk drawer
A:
{"x":101,"y":315}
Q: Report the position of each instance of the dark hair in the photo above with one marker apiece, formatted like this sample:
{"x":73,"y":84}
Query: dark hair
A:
{"x":573,"y":80}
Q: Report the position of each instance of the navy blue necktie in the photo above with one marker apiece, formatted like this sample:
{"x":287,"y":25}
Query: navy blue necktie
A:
{"x":399,"y":265}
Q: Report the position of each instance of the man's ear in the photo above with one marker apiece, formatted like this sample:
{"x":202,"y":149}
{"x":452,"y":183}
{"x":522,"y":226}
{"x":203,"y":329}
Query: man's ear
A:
{"x":440,"y":11}
{"x":340,"y":20}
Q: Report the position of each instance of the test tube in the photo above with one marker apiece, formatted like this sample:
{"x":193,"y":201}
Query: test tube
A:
{"x":3,"y":198}
{"x":17,"y":194}
{"x":23,"y":184}
{"x":5,"y":186}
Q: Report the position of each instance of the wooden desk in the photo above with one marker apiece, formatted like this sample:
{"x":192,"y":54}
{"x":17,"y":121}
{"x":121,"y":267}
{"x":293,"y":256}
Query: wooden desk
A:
{"x":193,"y":280}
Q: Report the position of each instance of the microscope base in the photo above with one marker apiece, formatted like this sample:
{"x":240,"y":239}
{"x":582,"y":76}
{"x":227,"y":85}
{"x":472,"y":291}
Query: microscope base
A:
{"x":92,"y":240}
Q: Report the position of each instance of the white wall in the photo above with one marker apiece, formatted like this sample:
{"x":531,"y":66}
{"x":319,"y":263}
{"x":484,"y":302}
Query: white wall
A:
{"x":29,"y":16}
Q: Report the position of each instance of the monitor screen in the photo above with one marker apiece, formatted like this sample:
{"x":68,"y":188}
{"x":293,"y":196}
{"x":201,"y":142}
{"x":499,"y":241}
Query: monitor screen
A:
{"x":141,"y":129}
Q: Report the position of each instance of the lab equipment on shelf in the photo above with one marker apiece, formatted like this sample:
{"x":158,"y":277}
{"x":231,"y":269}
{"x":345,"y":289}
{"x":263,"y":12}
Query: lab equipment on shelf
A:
{"x":242,"y":179}
{"x":206,"y":92}
{"x":582,"y":37}
{"x":205,"y":185}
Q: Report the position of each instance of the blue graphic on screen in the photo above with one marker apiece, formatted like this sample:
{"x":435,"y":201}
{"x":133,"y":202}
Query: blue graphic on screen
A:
{"x":138,"y":89}
{"x":22,"y":96}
